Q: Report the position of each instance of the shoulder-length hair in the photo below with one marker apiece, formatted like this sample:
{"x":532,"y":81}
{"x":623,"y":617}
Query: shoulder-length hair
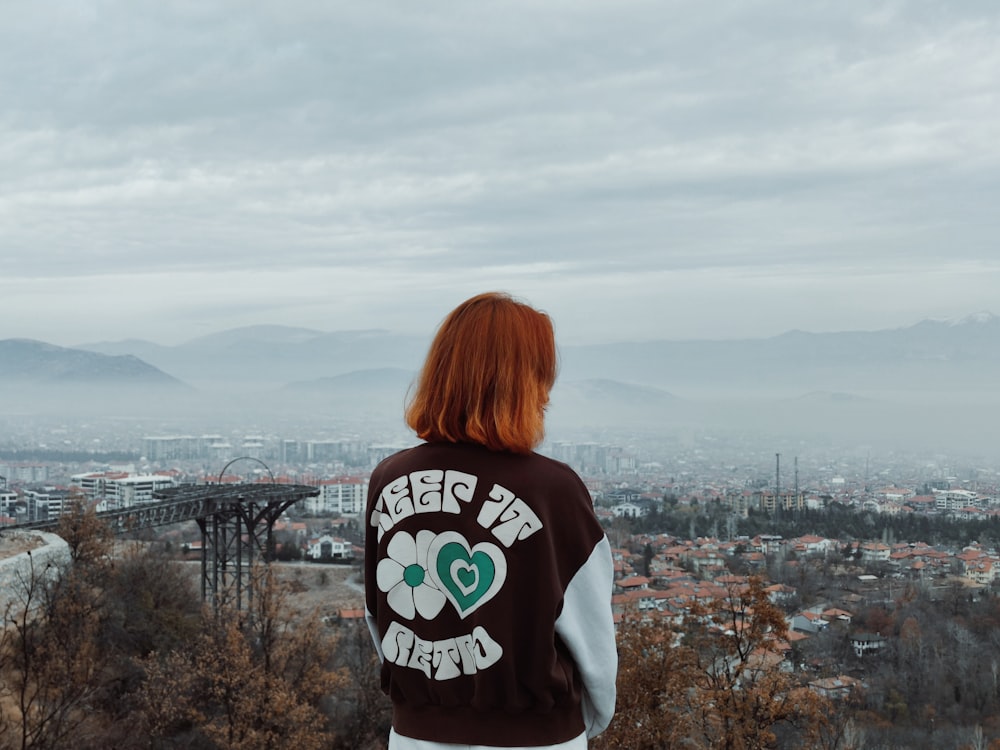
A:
{"x":487,"y":376}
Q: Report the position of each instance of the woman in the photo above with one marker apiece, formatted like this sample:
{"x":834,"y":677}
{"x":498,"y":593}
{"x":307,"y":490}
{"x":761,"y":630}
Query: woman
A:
{"x":488,"y":576}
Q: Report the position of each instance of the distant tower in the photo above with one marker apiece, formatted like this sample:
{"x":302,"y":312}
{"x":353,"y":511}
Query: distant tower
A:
{"x":796,"y":481}
{"x":777,"y":484}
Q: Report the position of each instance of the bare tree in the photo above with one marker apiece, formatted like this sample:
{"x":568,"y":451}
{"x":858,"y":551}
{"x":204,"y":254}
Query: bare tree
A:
{"x":54,"y":665}
{"x":360,"y":708}
{"x":716,"y":682}
{"x":246,"y":683}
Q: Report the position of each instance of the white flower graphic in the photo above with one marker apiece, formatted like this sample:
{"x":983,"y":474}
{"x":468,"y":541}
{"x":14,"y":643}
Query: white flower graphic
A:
{"x":403,"y":574}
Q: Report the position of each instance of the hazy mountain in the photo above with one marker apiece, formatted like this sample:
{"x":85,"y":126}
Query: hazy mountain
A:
{"x":355,"y":382}
{"x":39,"y":378}
{"x":147,"y":351}
{"x":36,"y":362}
{"x":929,"y":356}
{"x":265,"y":357}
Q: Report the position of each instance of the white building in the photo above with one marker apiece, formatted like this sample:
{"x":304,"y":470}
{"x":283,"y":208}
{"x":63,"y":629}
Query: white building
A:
{"x":956,"y":499}
{"x":875,"y":552}
{"x":329,"y":547}
{"x":138,"y":490}
{"x":343,"y":495}
{"x":866,"y":644}
{"x":8,"y":500}
{"x":170,"y":447}
{"x":116,"y":490}
{"x":43,"y":504}
{"x":25,"y":473}
{"x":95,"y":485}
{"x":629,"y":510}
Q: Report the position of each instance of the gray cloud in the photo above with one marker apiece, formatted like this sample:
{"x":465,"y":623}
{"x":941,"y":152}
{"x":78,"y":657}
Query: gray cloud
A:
{"x":677,"y":151}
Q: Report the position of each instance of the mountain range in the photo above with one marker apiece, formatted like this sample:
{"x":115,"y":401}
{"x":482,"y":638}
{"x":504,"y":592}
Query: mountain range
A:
{"x":273,"y":355}
{"x":942,"y":371}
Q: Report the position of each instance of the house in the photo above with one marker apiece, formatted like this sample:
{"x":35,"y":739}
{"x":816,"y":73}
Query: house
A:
{"x":632,"y":583}
{"x":328,"y":547}
{"x":808,"y":622}
{"x":981,"y":571}
{"x":875,"y":552}
{"x":812,"y":544}
{"x":977,"y":564}
{"x":629,"y":510}
{"x":780,"y":593}
{"x":865,"y":644}
{"x":835,"y":615}
{"x":769,"y":544}
{"x":895,"y":494}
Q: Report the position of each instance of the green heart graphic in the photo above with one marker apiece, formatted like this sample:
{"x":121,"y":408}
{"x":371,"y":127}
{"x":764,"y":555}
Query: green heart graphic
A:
{"x":466,"y":578}
{"x":468,"y":575}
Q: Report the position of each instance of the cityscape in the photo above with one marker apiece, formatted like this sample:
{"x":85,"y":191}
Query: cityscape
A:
{"x":848,"y":539}
{"x":763,"y":235}
{"x":721,"y":501}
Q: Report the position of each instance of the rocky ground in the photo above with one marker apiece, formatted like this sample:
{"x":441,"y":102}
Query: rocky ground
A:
{"x":15,"y":542}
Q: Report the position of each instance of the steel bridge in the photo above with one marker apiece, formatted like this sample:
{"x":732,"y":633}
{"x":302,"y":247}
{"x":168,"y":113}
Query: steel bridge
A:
{"x":236,"y":523}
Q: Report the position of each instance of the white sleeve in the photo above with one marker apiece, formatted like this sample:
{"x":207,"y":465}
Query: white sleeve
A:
{"x":587,"y":628}
{"x":373,"y":629}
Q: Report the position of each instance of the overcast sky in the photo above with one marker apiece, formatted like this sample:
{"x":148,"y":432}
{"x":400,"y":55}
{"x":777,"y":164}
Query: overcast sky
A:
{"x":640,"y":170}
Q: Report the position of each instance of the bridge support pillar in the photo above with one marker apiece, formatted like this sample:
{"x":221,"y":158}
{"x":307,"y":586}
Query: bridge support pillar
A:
{"x":237,"y":534}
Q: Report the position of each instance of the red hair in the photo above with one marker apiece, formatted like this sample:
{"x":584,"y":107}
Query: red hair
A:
{"x":487,"y":376}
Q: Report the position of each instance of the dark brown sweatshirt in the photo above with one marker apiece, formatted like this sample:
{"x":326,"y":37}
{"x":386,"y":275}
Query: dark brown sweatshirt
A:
{"x":488,"y":594}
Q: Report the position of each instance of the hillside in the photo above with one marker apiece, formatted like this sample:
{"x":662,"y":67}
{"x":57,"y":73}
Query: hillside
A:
{"x":26,"y":360}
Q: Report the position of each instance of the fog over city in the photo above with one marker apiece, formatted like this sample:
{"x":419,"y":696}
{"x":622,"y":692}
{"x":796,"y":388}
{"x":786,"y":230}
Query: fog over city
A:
{"x":761,"y":216}
{"x":927,"y":387}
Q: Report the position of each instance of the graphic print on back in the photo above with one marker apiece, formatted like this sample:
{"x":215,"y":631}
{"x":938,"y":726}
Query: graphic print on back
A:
{"x":421,"y":574}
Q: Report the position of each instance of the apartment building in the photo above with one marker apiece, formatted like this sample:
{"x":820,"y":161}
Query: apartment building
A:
{"x":343,"y":495}
{"x":115,"y":490}
{"x":951,"y":500}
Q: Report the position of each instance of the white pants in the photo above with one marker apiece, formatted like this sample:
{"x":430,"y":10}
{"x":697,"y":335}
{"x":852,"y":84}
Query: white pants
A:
{"x":398,"y":742}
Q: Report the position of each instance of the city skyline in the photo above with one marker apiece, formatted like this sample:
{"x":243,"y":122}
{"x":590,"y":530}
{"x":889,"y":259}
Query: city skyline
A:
{"x":640,"y":171}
